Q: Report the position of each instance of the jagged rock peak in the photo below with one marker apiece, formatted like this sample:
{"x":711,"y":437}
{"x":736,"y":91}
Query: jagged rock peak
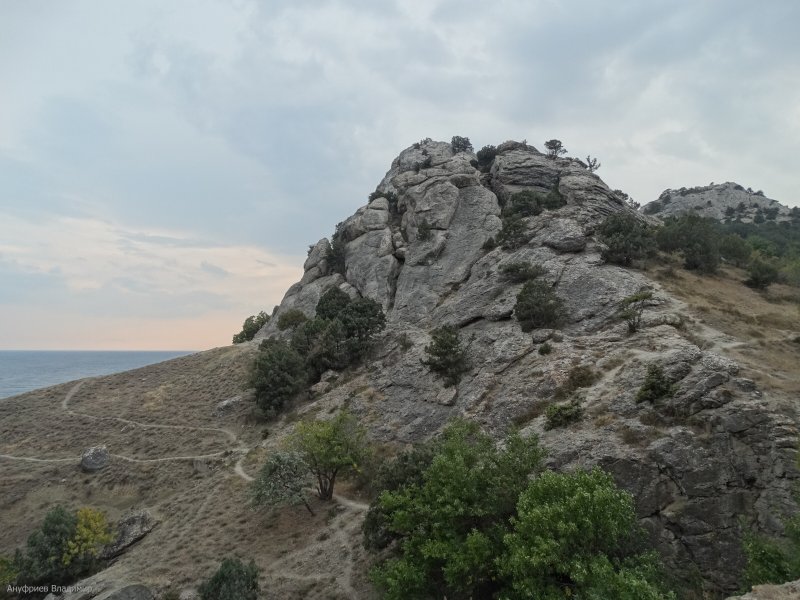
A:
{"x":419,"y":245}
{"x":720,"y":201}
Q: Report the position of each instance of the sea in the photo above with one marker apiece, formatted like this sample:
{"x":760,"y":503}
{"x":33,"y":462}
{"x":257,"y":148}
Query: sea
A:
{"x":25,"y":370}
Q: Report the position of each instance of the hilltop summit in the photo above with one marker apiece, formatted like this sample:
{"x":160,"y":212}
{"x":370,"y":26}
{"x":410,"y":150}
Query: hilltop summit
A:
{"x":425,"y":247}
{"x":723,"y":201}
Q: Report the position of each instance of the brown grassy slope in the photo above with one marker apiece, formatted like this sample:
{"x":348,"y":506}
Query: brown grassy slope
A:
{"x":764,"y":325}
{"x":202,"y":505}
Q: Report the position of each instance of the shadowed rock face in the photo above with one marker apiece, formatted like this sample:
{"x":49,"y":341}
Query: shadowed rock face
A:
{"x":716,"y":452}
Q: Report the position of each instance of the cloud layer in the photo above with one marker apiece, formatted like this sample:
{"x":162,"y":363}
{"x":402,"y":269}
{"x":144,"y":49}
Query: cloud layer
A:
{"x":192,"y":141}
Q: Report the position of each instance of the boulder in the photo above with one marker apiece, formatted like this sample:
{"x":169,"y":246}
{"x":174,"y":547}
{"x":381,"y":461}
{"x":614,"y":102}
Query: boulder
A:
{"x":94,"y":459}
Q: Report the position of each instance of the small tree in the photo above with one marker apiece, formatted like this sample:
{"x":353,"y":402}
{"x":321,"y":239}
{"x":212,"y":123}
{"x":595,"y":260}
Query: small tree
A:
{"x":281,"y":481}
{"x":554,"y":148}
{"x":538,"y":306}
{"x":446,"y":356}
{"x":632,"y":307}
{"x":486,"y":156}
{"x":520,"y":272}
{"x":734,"y":249}
{"x":92,"y":532}
{"x":460,"y":144}
{"x":290,"y":319}
{"x":655,"y":386}
{"x":336,"y":252}
{"x":526,"y":203}
{"x":592,"y":164}
{"x":561,"y":415}
{"x":278,"y":375}
{"x":330,"y":448}
{"x":250,"y":327}
{"x":514,"y":233}
{"x":233,"y":581}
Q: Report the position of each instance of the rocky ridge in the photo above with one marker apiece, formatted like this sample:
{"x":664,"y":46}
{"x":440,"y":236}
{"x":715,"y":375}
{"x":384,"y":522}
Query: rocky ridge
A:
{"x":720,"y":201}
{"x":716,"y":452}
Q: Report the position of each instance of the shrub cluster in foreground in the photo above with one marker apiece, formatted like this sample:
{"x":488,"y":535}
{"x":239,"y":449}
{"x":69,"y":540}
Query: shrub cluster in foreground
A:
{"x":470,"y":519}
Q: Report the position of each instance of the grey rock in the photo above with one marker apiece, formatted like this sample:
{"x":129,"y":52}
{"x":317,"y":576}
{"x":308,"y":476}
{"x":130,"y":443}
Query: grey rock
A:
{"x":130,"y":529}
{"x":95,"y":459}
{"x":130,"y":592}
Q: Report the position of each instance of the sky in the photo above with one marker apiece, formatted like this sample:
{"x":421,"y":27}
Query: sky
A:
{"x":164,"y":166}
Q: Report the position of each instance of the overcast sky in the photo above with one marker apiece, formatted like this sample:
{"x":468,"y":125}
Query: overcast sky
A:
{"x":165,"y":165}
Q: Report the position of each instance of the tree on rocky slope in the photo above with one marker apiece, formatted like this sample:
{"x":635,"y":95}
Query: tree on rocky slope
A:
{"x":330,"y":448}
{"x":250,"y":327}
{"x":282,"y":481}
{"x":447,"y":357}
{"x":554,"y":148}
{"x":538,"y":306}
{"x":278,"y":375}
{"x":626,"y":239}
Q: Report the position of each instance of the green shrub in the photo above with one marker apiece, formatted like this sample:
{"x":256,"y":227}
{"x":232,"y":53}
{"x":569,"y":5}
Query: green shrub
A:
{"x":8,"y":574}
{"x":734,"y":249}
{"x":281,"y":482}
{"x":554,"y":148}
{"x":526,"y":203}
{"x":655,"y":386}
{"x":520,"y":272}
{"x":545,"y":349}
{"x":514,"y":233}
{"x":336,"y":252}
{"x":278,"y":375}
{"x":772,"y":560}
{"x":632,"y":307}
{"x":579,"y":376}
{"x":232,"y":581}
{"x":404,"y":470}
{"x":762,"y":273}
{"x":486,"y":156}
{"x":332,"y":302}
{"x":538,"y":306}
{"x":626,"y":238}
{"x":250,"y":327}
{"x":561,"y":415}
{"x":578,"y":532}
{"x":446,"y":355}
{"x":291,"y":318}
{"x":696,"y":237}
{"x":452,"y":520}
{"x":460,"y":144}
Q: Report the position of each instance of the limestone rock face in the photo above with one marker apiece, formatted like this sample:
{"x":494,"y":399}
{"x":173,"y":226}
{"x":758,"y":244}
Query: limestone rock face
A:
{"x":717,"y":451}
{"x":787,"y":591}
{"x":94,"y":459}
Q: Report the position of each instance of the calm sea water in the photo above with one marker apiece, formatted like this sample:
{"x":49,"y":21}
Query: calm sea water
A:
{"x":23,"y":371}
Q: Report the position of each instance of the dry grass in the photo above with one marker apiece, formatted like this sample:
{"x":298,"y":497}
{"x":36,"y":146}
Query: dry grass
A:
{"x":204,"y":514}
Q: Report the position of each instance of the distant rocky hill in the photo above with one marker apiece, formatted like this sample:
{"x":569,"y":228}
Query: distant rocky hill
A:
{"x":722,"y":201}
{"x":717,"y":454}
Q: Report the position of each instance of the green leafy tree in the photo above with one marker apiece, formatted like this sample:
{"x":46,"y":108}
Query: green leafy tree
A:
{"x":330,"y":448}
{"x":696,"y":237}
{"x":250,"y":327}
{"x":554,"y":148}
{"x":486,"y":156}
{"x":573,"y":536}
{"x":291,"y":319}
{"x":278,"y":375}
{"x":233,"y":580}
{"x":446,"y":355}
{"x":281,"y":482}
{"x":538,"y":306}
{"x":406,"y":469}
{"x":65,"y":547}
{"x":460,"y":144}
{"x":561,"y":415}
{"x":626,"y":238}
{"x":451,"y":523}
{"x":336,"y":252}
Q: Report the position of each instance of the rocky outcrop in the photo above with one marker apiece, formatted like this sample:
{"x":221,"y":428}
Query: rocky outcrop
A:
{"x":721,"y":201}
{"x":94,"y":459}
{"x":787,"y":591}
{"x":130,"y":529}
{"x":700,"y":463}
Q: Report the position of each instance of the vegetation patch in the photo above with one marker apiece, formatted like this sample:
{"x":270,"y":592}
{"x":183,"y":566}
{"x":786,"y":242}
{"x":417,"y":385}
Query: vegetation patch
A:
{"x":561,"y":415}
{"x":446,"y":355}
{"x":538,"y":306}
{"x":655,"y":386}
